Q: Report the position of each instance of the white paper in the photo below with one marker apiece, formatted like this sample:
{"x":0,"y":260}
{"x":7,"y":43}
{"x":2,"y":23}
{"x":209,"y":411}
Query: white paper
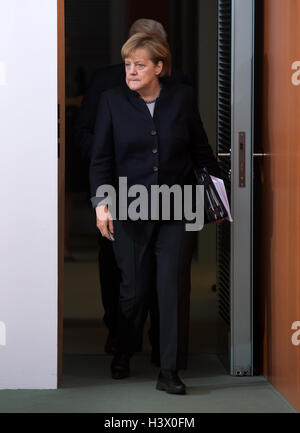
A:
{"x":220,"y":187}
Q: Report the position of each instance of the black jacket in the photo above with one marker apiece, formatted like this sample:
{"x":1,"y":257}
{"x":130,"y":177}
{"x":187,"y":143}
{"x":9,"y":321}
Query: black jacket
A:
{"x":102,"y":80}
{"x":165,"y":149}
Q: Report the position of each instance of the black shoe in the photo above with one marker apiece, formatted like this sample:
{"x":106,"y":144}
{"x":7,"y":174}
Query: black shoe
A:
{"x":169,"y":381}
{"x":120,"y":366}
{"x":111,"y":345}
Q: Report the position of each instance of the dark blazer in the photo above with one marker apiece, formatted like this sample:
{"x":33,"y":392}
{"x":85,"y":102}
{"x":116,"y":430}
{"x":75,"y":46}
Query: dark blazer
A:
{"x":165,"y":149}
{"x":102,"y":80}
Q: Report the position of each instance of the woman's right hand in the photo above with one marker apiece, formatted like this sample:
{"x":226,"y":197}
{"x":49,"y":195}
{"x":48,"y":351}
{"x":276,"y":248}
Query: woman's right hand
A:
{"x":104,"y":221}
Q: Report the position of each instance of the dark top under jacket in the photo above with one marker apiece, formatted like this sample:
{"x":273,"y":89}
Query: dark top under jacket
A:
{"x":165,"y":149}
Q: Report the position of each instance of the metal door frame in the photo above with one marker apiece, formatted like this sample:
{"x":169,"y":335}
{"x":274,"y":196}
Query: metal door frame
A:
{"x":242,"y":121}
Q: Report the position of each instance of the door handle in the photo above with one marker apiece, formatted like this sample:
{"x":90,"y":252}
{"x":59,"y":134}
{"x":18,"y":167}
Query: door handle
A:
{"x":242,"y":159}
{"x":221,"y":155}
{"x":228,"y":155}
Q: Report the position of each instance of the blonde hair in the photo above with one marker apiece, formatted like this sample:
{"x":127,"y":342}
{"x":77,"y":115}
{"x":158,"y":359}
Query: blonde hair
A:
{"x":144,"y":25}
{"x":157,"y":47}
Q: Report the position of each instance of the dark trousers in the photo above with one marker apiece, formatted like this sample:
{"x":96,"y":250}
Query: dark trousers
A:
{"x":153,"y":255}
{"x":110,"y":279}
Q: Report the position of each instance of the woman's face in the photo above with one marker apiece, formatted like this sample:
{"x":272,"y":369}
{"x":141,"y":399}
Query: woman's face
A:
{"x":141,"y":72}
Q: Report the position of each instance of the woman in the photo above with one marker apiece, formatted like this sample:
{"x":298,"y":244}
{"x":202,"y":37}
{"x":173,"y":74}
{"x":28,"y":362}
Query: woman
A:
{"x":149,"y":131}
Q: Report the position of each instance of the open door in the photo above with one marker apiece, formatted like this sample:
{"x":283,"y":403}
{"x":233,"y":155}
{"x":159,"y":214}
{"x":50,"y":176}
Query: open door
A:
{"x":61,"y":173}
{"x":235,"y":152}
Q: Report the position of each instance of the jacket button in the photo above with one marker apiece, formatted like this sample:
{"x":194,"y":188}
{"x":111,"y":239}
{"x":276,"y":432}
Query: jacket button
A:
{"x":155,"y":168}
{"x":154,"y":150}
{"x":153,"y":132}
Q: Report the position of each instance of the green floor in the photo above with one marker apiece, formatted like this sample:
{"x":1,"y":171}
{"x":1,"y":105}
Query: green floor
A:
{"x":86,"y":385}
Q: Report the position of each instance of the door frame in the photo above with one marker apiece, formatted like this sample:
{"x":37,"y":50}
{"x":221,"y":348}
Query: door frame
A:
{"x":242,"y":128}
{"x":240,"y":338}
{"x":61,"y":175}
{"x":235,"y":136}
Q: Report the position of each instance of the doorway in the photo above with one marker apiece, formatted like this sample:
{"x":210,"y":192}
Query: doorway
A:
{"x":94,"y":33}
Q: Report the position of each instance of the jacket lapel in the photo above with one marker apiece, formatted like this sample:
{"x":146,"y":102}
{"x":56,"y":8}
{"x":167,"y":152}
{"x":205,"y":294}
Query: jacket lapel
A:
{"x":136,"y":100}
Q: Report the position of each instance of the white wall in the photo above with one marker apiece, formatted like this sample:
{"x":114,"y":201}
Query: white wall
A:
{"x":28,"y":193}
